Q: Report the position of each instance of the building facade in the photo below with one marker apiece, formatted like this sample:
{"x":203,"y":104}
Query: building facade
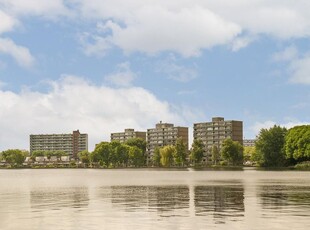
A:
{"x":72,"y":143}
{"x":127,"y":134}
{"x":215,"y":132}
{"x":249,"y":142}
{"x":164,"y":134}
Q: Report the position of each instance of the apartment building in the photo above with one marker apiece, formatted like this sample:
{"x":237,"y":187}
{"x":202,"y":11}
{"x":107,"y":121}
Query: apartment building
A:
{"x":249,"y":142}
{"x":215,"y":132}
{"x":127,"y":134}
{"x":72,"y":143}
{"x":164,"y":134}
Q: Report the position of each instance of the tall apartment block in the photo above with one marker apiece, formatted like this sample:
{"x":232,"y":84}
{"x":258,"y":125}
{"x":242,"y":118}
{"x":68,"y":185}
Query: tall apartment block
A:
{"x":215,"y":132}
{"x":127,"y":134}
{"x":164,"y":134}
{"x":72,"y":144}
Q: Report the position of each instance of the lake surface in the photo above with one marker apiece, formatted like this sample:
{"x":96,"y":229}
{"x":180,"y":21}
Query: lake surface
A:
{"x":153,"y":199}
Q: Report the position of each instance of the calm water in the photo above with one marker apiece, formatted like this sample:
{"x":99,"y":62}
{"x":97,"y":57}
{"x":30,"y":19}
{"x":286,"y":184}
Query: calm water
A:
{"x":149,"y":199}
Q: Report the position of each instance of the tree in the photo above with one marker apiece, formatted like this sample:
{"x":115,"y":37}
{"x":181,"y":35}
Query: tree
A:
{"x":232,"y":152}
{"x":140,"y":143}
{"x":166,"y":155}
{"x":135,"y":156}
{"x":101,"y":154}
{"x":84,"y":156}
{"x":270,"y":146}
{"x":37,"y":153}
{"x":59,"y":153}
{"x":248,"y":153}
{"x":215,"y":155}
{"x":13,"y":156}
{"x":180,"y":152}
{"x":297,"y":144}
{"x":156,"y":157}
{"x":197,"y":151}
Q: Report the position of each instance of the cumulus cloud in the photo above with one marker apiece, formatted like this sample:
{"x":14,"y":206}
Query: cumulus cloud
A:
{"x":73,"y":103}
{"x":19,"y":53}
{"x":268,"y":124}
{"x":152,"y":29}
{"x":7,"y":22}
{"x":123,"y":77}
{"x":189,"y":26}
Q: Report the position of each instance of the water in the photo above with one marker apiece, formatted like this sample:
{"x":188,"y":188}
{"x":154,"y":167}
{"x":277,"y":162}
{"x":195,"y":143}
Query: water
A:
{"x":149,"y":199}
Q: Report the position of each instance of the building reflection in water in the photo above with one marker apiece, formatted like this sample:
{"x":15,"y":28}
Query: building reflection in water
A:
{"x":58,"y":198}
{"x":219,"y":201}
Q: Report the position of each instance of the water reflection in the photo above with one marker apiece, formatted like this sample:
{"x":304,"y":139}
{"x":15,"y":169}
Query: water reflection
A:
{"x":58,"y":198}
{"x":285,"y":198}
{"x":220,"y":201}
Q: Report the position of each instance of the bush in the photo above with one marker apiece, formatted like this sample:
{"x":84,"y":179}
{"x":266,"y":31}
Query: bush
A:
{"x":303,"y":165}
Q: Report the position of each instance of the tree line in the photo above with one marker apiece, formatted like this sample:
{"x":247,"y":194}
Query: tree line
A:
{"x":275,"y":147}
{"x":281,"y":147}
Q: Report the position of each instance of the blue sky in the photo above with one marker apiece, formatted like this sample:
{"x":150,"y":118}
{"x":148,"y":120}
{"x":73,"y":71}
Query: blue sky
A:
{"x":102,"y":66}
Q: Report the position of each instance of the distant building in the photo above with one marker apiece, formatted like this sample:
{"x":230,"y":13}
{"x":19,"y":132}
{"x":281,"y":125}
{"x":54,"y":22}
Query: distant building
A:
{"x":249,"y":142}
{"x":215,"y":132}
{"x":72,"y":144}
{"x":128,"y":134}
{"x":164,"y":134}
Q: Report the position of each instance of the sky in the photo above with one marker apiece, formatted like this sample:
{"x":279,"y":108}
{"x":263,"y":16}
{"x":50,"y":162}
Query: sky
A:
{"x":101,"y":66}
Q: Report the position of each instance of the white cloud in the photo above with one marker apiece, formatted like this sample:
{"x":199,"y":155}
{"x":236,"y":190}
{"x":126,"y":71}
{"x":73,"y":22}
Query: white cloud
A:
{"x":175,"y":71}
{"x":72,"y":103}
{"x":123,"y":77}
{"x":300,"y":70}
{"x":19,"y":53}
{"x":7,"y":22}
{"x":45,"y":8}
{"x":268,"y":124}
{"x":288,"y":54}
{"x":189,"y":26}
{"x":152,"y":29}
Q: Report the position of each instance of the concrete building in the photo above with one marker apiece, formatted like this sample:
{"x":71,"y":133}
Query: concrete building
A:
{"x":128,"y":134}
{"x":164,"y":134}
{"x":249,"y":142}
{"x":72,"y":144}
{"x":215,"y":132}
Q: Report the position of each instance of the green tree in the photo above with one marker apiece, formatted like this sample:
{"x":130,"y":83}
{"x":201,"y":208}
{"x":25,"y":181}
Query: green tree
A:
{"x":197,"y":151}
{"x":248,"y":153}
{"x":119,"y":154}
{"x":297,"y":144}
{"x":270,"y":146}
{"x":101,"y":154}
{"x":59,"y":153}
{"x":140,"y":143}
{"x":232,"y":152}
{"x":84,"y":156}
{"x":180,"y":152}
{"x":13,"y":156}
{"x":156,"y":157}
{"x":37,"y":153}
{"x":215,"y":155}
{"x":135,"y":156}
{"x":166,"y":155}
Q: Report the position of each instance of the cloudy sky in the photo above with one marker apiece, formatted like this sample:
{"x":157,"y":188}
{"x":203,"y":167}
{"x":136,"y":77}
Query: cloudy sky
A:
{"x":101,"y":66}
